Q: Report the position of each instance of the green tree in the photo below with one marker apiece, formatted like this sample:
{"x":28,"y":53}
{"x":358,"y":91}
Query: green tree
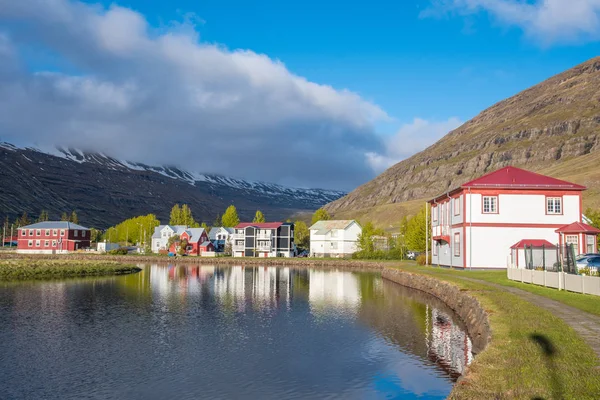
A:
{"x":415,"y":235}
{"x":365,"y":239}
{"x":43,"y":216}
{"x":182,"y":247}
{"x":95,"y":235}
{"x":138,"y":229}
{"x":23,"y":220}
{"x":259,"y":217}
{"x":230,"y":217}
{"x":175,"y":217}
{"x":64,"y":217}
{"x":206,"y":227}
{"x":173,"y":239}
{"x":74,"y":218}
{"x":320,"y":215}
{"x":301,"y":234}
{"x":217,"y":221}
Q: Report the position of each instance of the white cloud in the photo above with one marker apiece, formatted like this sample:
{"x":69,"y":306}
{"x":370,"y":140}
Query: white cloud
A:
{"x":410,"y":139}
{"x":163,"y":96}
{"x":546,"y":21}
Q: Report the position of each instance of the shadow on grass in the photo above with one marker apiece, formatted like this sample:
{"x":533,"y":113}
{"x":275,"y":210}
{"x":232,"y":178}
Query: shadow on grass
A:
{"x":549,"y":352}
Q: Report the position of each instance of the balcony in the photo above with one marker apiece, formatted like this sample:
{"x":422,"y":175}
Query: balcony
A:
{"x":264,"y":248}
{"x":263,"y":235}
{"x":441,"y":232}
{"x":239,"y":236}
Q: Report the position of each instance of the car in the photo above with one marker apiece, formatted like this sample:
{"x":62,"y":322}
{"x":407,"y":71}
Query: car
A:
{"x":589,"y":260}
{"x":303,"y":254}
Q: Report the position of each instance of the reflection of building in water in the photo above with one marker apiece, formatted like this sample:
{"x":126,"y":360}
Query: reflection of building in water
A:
{"x":334,"y":288}
{"x":173,"y":278}
{"x":448,"y":345}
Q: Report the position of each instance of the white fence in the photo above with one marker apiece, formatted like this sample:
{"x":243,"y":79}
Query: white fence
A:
{"x":558,"y":280}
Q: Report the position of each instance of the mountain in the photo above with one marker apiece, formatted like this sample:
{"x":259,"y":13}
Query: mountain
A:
{"x":552,"y":128}
{"x":105,"y":191}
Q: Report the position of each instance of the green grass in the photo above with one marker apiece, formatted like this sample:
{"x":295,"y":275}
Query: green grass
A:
{"x":514,"y":365}
{"x":21,"y":269}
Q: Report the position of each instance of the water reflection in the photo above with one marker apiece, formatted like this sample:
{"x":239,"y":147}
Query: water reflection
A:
{"x":182,"y":331}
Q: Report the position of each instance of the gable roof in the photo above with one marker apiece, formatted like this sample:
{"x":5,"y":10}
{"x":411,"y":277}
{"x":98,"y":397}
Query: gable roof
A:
{"x":220,"y":229}
{"x":175,"y":228}
{"x":533,"y":243}
{"x":578,"y":227}
{"x":325,"y":226}
{"x":515,"y":178}
{"x":260,"y":225}
{"x":55,"y":225}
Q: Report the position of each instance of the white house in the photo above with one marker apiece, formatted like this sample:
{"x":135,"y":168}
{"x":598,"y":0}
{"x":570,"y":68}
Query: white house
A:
{"x":334,"y":238}
{"x":220,"y":236}
{"x":477,"y":224}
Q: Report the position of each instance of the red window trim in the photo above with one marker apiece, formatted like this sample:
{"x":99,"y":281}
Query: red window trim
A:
{"x":497,"y":204}
{"x":562,"y":204}
{"x":456,"y":199}
{"x":456,"y":248}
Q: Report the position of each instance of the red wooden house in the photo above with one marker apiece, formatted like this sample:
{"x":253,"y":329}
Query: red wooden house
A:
{"x":52,"y":237}
{"x":195,"y":238}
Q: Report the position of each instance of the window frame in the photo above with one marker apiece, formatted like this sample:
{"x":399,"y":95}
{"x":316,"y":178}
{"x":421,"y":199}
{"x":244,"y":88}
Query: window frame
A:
{"x":560,"y":202}
{"x":456,"y":205}
{"x":576,"y":236}
{"x":54,"y":232}
{"x":434,"y":213}
{"x":47,"y":232}
{"x":54,"y":243}
{"x":38,"y":243}
{"x":46,"y":243}
{"x":62,"y":232}
{"x":38,"y":232}
{"x":31,"y":232}
{"x":497,"y":208}
{"x":23,"y":232}
{"x":30,"y":243}
{"x":457,"y":245}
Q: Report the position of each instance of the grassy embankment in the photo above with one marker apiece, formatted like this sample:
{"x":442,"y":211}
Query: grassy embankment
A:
{"x":533,"y":354}
{"x":22,"y":269}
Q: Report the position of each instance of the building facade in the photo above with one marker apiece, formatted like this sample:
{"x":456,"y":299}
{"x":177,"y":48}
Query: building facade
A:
{"x":476,"y":224}
{"x":267,"y":239}
{"x":334,"y":238}
{"x":52,"y":237}
{"x":220,"y":237}
{"x":194,"y":237}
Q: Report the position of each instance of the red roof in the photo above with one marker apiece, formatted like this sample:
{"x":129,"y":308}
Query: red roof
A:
{"x":260,"y":225}
{"x":517,"y":178}
{"x":578,"y":227}
{"x":533,"y":243}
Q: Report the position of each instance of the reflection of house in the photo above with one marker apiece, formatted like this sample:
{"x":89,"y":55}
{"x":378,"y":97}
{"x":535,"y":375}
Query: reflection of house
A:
{"x":267,"y":239}
{"x":334,"y":238}
{"x":195,"y":237}
{"x":219,"y":236}
{"x":52,"y":237}
{"x":339,"y":288}
{"x":449,"y":344}
{"x":476,"y":224}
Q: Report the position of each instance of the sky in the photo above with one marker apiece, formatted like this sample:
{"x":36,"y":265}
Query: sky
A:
{"x":321,"y":94}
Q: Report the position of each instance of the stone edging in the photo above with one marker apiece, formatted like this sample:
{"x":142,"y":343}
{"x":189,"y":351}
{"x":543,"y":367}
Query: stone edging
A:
{"x":466,"y":307}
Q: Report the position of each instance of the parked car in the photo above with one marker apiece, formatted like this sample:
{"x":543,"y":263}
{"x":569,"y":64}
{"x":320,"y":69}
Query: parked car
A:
{"x":412,"y":255}
{"x":589,"y":260}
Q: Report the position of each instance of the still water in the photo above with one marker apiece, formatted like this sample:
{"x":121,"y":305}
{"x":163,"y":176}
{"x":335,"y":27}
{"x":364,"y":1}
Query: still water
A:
{"x":176,"y":332}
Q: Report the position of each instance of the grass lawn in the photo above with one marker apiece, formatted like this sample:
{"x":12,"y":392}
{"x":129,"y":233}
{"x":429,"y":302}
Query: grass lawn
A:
{"x":21,"y":269}
{"x":533,"y":354}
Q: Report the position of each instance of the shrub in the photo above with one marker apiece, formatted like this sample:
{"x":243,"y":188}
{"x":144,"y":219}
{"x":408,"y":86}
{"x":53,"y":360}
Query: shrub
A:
{"x":422,"y":260}
{"x":121,"y":251}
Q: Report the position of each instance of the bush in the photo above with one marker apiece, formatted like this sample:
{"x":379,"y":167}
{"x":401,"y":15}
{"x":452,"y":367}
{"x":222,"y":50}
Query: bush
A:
{"x":121,"y":251}
{"x":422,"y":260}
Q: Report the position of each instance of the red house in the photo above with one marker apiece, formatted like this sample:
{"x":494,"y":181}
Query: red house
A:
{"x":195,"y":238}
{"x":52,"y":237}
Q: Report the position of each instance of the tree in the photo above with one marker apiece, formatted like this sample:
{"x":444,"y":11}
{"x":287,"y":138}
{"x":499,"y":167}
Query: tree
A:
{"x":217,"y":221}
{"x":259,"y":217}
{"x":182,"y":247}
{"x":74,"y":218}
{"x":415,"y":235}
{"x":43,"y":216}
{"x":301,"y":234}
{"x":320,"y":215}
{"x":175,"y":217}
{"x":172,"y":239}
{"x":230,"y":217}
{"x":228,"y":248}
{"x":365,"y":239}
{"x":206,"y":227}
{"x":64,"y":217}
{"x":24,"y":220}
{"x":95,"y":235}
{"x":182,"y":215}
{"x":138,"y":229}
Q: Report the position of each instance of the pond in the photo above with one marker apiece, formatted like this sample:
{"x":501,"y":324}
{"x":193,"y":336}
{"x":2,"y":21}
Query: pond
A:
{"x":189,"y":332}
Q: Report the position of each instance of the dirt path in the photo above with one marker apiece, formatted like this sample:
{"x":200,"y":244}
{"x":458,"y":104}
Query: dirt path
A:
{"x":585,"y":324}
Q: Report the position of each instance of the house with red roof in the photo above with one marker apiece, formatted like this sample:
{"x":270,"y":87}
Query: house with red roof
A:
{"x":266,"y":239}
{"x":481,"y":222}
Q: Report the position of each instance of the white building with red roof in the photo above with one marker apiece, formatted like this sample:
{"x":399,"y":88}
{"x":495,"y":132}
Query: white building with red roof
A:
{"x":477,"y":224}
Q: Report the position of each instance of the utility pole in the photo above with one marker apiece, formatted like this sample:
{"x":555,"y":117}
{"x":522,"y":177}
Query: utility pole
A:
{"x":4,"y":235}
{"x":11,"y":235}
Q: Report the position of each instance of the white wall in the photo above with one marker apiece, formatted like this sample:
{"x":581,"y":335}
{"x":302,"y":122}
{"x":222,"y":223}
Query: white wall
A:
{"x":524,"y":209}
{"x":346,"y":241}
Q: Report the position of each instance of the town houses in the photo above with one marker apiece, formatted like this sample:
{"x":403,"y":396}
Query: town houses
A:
{"x":195,"y":240}
{"x":266,"y":239}
{"x":481,"y":223}
{"x":52,"y":237}
{"x":334,"y":238}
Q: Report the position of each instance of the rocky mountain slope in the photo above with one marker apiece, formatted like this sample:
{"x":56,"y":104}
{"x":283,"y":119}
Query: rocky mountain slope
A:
{"x":551,"y":128}
{"x":104,"y":190}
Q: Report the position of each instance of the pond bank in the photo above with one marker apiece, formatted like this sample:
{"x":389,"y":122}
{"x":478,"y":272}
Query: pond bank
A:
{"x":24,"y":269}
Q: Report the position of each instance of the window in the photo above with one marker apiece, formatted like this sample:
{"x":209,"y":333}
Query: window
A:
{"x":189,"y":248}
{"x":23,"y":233}
{"x":434,"y":248}
{"x":334,"y":245}
{"x":434,"y":213}
{"x":457,"y":245}
{"x":30,"y":243}
{"x":46,"y":243}
{"x":76,"y":232}
{"x":31,"y":232}
{"x":334,"y":233}
{"x":54,"y":232}
{"x":553,"y":205}
{"x":490,"y":204}
{"x":47,"y":233}
{"x":572,"y":239}
{"x":54,"y":243}
{"x":62,"y":232}
{"x":38,"y":232}
{"x":590,"y":244}
{"x":457,"y":206}
{"x":37,"y":243}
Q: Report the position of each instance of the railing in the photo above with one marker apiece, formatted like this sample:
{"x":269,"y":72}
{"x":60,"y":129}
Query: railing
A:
{"x":264,"y":248}
{"x":239,"y":236}
{"x":441,"y":230}
{"x":264,"y":235}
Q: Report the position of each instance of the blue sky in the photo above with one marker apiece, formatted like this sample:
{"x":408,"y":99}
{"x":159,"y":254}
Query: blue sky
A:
{"x":404,"y":73}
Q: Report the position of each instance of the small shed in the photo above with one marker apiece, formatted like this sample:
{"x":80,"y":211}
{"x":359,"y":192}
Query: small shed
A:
{"x":533,"y":253}
{"x":582,"y":236}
